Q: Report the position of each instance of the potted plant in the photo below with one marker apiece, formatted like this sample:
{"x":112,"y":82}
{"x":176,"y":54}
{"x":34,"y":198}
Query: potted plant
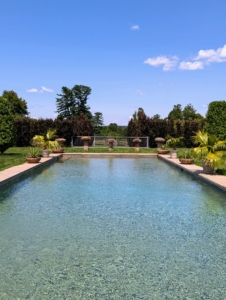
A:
{"x":46,"y":142}
{"x":33,"y":155}
{"x":163,"y":150}
{"x":60,"y":142}
{"x":174,"y":142}
{"x":186,"y":157}
{"x":211,"y":151}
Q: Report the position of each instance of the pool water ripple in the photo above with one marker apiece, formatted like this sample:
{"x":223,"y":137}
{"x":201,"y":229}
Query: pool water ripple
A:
{"x":112,"y":229}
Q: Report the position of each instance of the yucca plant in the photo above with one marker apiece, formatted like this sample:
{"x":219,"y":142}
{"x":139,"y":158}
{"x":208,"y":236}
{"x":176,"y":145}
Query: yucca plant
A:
{"x":46,"y":141}
{"x":210,"y":149}
{"x":34,"y":152}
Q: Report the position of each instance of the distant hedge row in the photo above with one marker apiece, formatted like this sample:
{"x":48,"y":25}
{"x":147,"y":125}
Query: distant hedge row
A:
{"x":161,"y":128}
{"x":27,"y":128}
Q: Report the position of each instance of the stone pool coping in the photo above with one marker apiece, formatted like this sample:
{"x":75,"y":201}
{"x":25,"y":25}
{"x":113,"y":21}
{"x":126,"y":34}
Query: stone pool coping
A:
{"x":216,"y":180}
{"x":12,"y":174}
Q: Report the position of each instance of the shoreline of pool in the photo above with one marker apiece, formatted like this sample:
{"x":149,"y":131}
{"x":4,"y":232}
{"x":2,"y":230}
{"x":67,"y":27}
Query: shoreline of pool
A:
{"x":15,"y":173}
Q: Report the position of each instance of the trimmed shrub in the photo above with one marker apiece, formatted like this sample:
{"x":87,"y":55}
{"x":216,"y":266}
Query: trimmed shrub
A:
{"x":146,"y":126}
{"x":27,"y":128}
{"x":216,"y":119}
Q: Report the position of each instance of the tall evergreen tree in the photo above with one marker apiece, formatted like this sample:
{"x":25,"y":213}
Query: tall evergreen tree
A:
{"x":98,"y":122}
{"x":6,"y":125}
{"x":73,"y":102}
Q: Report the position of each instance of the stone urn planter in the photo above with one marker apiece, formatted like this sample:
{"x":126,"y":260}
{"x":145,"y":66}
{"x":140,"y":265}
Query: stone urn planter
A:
{"x":207,"y":169}
{"x":186,"y":161}
{"x":86,"y":140}
{"x":32,"y":160}
{"x":159,"y":141}
{"x":111,"y":143}
{"x":45,"y":153}
{"x":137,"y":142}
{"x":173,"y":154}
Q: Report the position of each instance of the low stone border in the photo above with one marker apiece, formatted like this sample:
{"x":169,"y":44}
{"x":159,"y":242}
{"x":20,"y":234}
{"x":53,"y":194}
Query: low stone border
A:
{"x":216,"y":180}
{"x":110,"y":155}
{"x":12,"y":174}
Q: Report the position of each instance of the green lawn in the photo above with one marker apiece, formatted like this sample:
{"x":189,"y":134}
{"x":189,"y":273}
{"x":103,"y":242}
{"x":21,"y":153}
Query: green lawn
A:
{"x":16,"y":155}
{"x":13,"y":157}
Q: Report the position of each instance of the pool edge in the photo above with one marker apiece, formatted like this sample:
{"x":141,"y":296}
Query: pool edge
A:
{"x":214,"y":180}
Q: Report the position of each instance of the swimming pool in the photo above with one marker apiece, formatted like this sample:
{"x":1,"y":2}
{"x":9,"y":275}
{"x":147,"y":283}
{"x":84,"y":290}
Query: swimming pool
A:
{"x":112,"y":229}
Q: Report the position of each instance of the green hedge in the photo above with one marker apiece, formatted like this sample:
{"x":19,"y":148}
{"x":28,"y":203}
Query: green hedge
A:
{"x":216,"y":119}
{"x":27,"y":128}
{"x":161,"y":128}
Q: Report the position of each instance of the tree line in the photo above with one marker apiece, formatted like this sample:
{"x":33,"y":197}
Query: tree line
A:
{"x":73,"y":103}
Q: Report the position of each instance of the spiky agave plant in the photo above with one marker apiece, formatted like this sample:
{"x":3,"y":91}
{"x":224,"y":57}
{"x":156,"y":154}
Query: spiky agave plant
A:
{"x":46,"y":141}
{"x":210,"y":149}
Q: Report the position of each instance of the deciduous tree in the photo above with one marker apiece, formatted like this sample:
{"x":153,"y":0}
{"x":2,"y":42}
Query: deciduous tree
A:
{"x":6,"y":125}
{"x":18,"y":105}
{"x":176,"y":113}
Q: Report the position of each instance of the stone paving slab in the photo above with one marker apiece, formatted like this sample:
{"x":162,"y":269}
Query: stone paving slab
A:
{"x":216,"y":180}
{"x":9,"y":175}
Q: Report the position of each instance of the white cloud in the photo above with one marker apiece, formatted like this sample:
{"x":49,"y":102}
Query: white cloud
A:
{"x":141,"y":93}
{"x":32,"y":91}
{"x":135,"y":27}
{"x":187,"y":65}
{"x":198,"y":62}
{"x":44,"y":89}
{"x":168,"y":63}
{"x":211,"y":55}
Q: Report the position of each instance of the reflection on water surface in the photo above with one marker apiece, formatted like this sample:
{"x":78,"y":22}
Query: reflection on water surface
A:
{"x":112,"y":229}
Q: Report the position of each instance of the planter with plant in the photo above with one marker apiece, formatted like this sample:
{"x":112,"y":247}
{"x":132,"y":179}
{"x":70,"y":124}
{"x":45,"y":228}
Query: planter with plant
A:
{"x":173,"y":143}
{"x":210,"y":150}
{"x":46,"y":142}
{"x":163,"y":150}
{"x":186,"y":157}
{"x":60,"y":142}
{"x":33,"y":155}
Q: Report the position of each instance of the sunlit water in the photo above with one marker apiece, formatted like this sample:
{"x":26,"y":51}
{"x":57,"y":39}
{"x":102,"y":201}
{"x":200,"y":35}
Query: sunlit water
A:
{"x":112,"y":229}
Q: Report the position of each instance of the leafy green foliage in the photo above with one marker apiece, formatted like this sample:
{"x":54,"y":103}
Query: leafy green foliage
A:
{"x":211,"y":150}
{"x":46,"y":141}
{"x":189,"y":113}
{"x":216,"y":119}
{"x":27,"y":128}
{"x":7,"y":132}
{"x":174,"y":142}
{"x":73,"y":102}
{"x":18,"y":105}
{"x":161,"y":128}
{"x":188,"y":153}
{"x":98,"y":122}
{"x":176,"y":113}
{"x":34,"y":152}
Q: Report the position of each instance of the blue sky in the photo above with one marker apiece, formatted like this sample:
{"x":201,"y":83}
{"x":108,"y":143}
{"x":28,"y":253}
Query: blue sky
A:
{"x":132,"y":53}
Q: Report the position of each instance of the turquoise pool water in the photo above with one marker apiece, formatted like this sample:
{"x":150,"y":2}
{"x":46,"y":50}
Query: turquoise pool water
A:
{"x":112,"y":229}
